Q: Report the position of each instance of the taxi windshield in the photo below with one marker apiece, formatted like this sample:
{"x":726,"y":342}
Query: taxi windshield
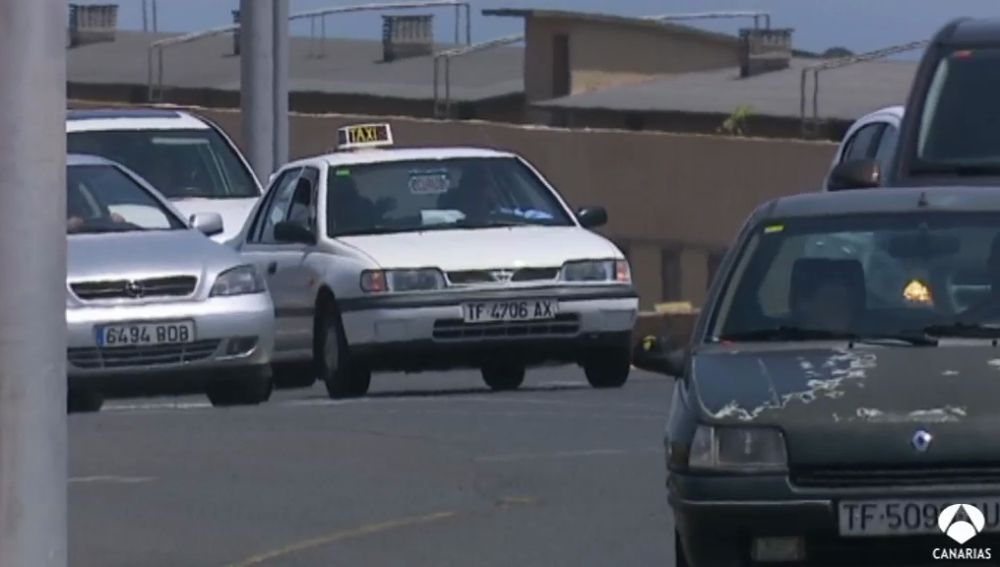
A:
{"x":440,"y":194}
{"x":102,"y":198}
{"x":179,"y":163}
{"x":863,"y":276}
{"x":959,"y":125}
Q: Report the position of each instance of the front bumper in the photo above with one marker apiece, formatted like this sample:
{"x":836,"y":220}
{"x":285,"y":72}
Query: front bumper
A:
{"x":427,"y":331}
{"x":718,"y":518}
{"x":230,"y":333}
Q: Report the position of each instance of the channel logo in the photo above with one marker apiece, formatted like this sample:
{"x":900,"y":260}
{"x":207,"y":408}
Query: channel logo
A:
{"x":961,"y":523}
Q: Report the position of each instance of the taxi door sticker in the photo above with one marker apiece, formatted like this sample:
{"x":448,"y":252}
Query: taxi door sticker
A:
{"x":433,"y":182}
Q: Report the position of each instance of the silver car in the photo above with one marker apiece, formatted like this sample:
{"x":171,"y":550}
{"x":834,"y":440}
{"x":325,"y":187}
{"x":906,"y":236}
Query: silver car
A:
{"x":153,"y":306}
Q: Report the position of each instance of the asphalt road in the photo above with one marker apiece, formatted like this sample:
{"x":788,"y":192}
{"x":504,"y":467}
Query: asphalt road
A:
{"x":429,"y":470}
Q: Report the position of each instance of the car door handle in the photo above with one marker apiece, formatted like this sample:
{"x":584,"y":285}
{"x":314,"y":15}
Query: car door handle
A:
{"x":272,"y":268}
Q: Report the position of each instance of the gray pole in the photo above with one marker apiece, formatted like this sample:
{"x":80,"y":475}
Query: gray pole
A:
{"x":256,"y":84}
{"x":145,"y":16}
{"x":281,"y":64}
{"x":33,"y":462}
{"x":156,"y":25}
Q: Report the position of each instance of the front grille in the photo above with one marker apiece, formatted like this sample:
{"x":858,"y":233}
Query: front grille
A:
{"x":174,"y":286}
{"x":119,"y":357}
{"x":500,"y":276}
{"x":916,"y":476}
{"x":457,"y":329}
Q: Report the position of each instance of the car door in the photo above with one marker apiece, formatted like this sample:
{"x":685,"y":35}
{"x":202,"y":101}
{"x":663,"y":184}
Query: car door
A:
{"x":291,"y":197}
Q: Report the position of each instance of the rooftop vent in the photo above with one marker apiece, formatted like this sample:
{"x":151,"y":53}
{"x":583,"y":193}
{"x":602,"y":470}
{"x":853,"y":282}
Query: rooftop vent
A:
{"x":92,"y":23}
{"x":407,"y":36}
{"x":764,"y":50}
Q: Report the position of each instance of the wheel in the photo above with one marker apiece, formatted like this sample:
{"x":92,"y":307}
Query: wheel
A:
{"x":680,"y":560}
{"x":342,"y":376}
{"x":608,"y":368}
{"x":240,"y":392}
{"x":500,"y":377}
{"x":291,"y":376}
{"x":84,"y":401}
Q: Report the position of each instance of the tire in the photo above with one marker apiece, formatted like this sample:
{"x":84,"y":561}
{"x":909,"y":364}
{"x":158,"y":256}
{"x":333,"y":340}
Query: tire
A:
{"x":609,"y":367}
{"x":294,"y":376}
{"x":503,"y":377}
{"x":242,"y":392}
{"x":680,"y":560}
{"x":84,"y":401}
{"x":341,"y":375}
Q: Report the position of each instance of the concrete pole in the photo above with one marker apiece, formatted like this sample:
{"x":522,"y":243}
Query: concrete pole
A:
{"x":145,"y":16}
{"x":33,"y":462}
{"x":156,"y":25}
{"x":256,"y":84}
{"x":281,"y":65}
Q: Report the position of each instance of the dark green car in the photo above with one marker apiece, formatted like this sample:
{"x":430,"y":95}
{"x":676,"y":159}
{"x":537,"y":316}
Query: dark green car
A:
{"x":839,"y":401}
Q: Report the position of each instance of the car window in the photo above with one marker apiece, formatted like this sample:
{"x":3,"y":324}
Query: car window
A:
{"x":178,"y":163}
{"x":959,"y":124}
{"x":865,"y":274}
{"x":887,"y":146}
{"x":441,"y":194}
{"x":302,"y":209}
{"x":281,"y":195}
{"x":103,"y":198}
{"x":862,"y":143}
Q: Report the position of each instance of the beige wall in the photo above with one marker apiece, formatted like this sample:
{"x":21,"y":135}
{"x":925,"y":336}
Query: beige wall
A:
{"x":661,"y":190}
{"x":605,"y":54}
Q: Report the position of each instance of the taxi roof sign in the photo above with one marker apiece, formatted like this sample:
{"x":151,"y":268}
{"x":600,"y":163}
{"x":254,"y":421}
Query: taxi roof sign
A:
{"x":357,"y":136}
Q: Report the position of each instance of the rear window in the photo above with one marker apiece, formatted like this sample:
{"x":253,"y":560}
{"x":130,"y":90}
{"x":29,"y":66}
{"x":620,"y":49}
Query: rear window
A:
{"x":179,"y":163}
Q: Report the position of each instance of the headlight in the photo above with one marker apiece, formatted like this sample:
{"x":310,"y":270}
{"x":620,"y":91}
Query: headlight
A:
{"x":597,"y":271}
{"x":423,"y":279}
{"x":240,"y":280}
{"x":737,"y":449}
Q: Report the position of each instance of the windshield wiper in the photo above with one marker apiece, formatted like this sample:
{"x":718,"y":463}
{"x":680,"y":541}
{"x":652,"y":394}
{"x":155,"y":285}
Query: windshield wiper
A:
{"x":790,"y":333}
{"x":961,"y":170}
{"x":965,"y":330}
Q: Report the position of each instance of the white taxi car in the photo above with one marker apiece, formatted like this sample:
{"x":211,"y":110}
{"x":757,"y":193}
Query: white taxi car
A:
{"x":391,"y":259}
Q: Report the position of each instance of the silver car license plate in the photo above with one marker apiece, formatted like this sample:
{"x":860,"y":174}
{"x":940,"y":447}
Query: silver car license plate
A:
{"x":146,"y":334}
{"x":510,"y":310}
{"x":860,"y":518}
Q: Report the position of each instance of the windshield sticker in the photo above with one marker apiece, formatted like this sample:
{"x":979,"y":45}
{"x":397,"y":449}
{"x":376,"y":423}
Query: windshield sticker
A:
{"x":432,"y":182}
{"x":343,"y":173}
{"x":774,"y":228}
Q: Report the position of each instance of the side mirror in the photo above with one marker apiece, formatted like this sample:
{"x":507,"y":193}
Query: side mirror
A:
{"x":855,"y":174}
{"x":652,"y":355}
{"x":293,"y":232}
{"x":209,"y":224}
{"x":592,"y":217}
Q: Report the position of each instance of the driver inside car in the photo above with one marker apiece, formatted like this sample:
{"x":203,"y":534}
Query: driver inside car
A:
{"x":826,"y":294}
{"x":79,"y":210}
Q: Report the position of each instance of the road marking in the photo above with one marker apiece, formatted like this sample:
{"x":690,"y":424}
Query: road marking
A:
{"x":564,"y":454}
{"x":158,"y":406}
{"x":112,"y":479}
{"x":342,"y":535}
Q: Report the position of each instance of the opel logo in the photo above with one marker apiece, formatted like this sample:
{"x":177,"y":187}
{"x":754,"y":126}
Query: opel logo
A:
{"x":921,"y":440}
{"x":133,"y":289}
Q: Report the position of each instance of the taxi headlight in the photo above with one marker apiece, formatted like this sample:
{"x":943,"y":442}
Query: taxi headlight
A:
{"x":738,"y":449}
{"x":423,"y":279}
{"x":596,"y":271}
{"x":240,"y":280}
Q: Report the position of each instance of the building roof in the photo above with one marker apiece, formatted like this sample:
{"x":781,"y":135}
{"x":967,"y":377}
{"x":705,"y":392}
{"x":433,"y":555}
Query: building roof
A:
{"x":638,"y":22}
{"x":351,"y":67}
{"x":845,"y":93}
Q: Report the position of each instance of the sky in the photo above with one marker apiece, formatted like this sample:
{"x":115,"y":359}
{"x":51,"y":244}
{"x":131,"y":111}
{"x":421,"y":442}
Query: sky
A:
{"x":859,"y":25}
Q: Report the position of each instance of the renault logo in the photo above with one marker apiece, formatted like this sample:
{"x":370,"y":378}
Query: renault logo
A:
{"x":921,"y":440}
{"x":133,"y":289}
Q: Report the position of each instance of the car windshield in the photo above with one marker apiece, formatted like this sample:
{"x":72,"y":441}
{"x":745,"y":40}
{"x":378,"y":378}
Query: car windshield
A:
{"x":865,"y":276}
{"x":960,"y":124}
{"x":102,"y":198}
{"x":179,"y":163}
{"x":402,"y":196}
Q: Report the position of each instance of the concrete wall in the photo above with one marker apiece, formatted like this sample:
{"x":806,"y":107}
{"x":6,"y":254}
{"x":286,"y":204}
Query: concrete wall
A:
{"x":665,"y":193}
{"x":605,"y":54}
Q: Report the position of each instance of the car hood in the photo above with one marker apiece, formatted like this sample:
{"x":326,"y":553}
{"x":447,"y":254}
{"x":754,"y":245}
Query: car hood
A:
{"x":482,"y":249}
{"x":145,"y":254}
{"x":838,"y":405}
{"x":234,"y":212}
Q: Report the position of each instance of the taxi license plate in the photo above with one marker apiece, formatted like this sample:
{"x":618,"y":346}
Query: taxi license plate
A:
{"x":512,"y":310}
{"x":145,"y":334}
{"x":907,"y":517}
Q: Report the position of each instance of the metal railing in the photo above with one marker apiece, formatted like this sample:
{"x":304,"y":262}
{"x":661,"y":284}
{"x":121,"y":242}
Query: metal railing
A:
{"x":814,"y":120}
{"x":756,"y":16}
{"x":154,"y":79}
{"x":442,"y":106}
